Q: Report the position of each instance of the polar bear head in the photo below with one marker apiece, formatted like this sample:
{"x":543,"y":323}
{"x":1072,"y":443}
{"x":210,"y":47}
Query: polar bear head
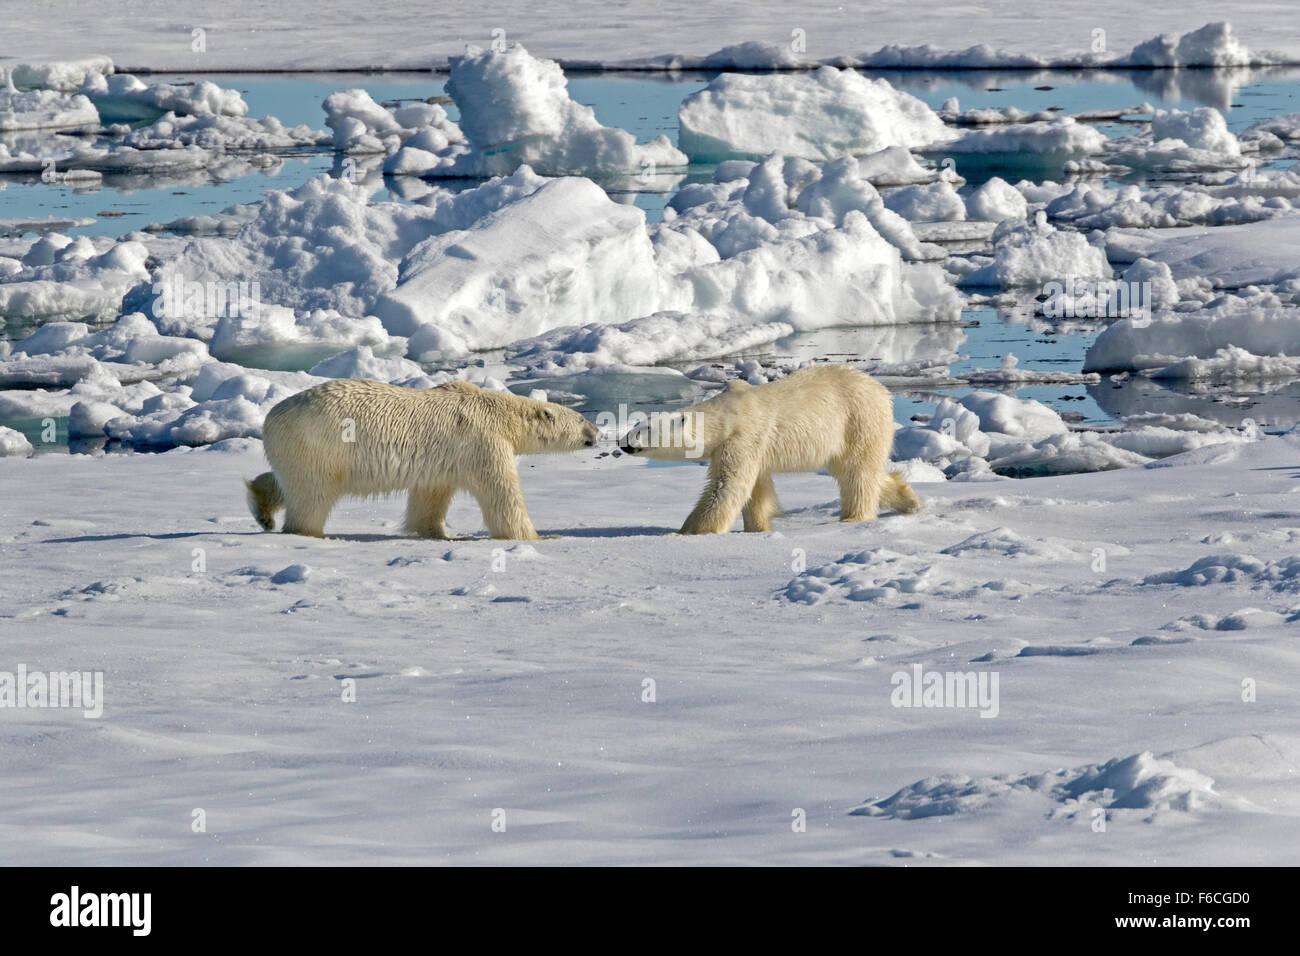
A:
{"x":551,"y":427}
{"x":667,"y":436}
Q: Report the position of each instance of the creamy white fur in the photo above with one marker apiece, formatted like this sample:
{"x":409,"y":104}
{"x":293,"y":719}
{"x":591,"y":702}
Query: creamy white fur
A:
{"x":824,"y":416}
{"x":351,"y":437}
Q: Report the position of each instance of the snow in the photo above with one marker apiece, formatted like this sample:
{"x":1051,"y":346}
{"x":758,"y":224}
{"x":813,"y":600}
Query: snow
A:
{"x":122,"y":97}
{"x":563,"y":252}
{"x":1210,"y":336}
{"x":516,"y":110}
{"x":661,"y":337}
{"x":1212,"y":45}
{"x":1150,"y":786}
{"x":1229,"y":257}
{"x":1232,"y":363}
{"x":45,"y":109}
{"x":936,"y":202}
{"x":213,"y":131}
{"x":275,"y":333}
{"x":327,"y":34}
{"x":995,"y":201}
{"x":821,"y":115}
{"x":60,"y":276}
{"x":462,"y":671}
{"x":360,"y":125}
{"x":13,"y":444}
{"x":1087,"y":574}
{"x":66,"y":76}
{"x":1033,"y":255}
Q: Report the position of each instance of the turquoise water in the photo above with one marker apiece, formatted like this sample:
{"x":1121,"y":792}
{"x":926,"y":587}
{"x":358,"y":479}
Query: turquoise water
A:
{"x":646,"y":105}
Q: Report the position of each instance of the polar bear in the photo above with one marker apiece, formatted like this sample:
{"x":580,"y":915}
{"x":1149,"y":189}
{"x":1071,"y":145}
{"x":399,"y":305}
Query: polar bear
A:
{"x":824,"y":416}
{"x":353,"y":437}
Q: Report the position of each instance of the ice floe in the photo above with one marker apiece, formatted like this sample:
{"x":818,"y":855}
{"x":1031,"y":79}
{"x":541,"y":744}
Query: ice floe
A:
{"x":821,"y":115}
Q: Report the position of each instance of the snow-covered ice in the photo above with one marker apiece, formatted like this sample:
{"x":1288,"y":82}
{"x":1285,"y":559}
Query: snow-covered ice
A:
{"x":1107,"y":540}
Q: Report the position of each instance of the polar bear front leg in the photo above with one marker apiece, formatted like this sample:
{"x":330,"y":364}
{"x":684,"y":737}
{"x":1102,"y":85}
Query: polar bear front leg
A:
{"x":762,"y":507}
{"x":501,"y":499}
{"x":426,"y":511}
{"x":731,"y":480}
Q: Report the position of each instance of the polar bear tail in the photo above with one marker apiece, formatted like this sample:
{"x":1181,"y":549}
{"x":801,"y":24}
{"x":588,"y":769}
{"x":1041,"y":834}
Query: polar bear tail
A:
{"x":265,"y":499}
{"x":898,"y":494}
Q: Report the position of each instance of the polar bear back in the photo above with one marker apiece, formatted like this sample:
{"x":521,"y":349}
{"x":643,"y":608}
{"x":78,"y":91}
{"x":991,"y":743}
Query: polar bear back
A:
{"x":372,"y":438}
{"x":816,"y":417}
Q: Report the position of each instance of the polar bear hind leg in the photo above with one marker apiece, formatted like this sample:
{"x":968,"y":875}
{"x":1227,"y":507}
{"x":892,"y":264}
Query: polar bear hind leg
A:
{"x":898,"y":494}
{"x":861,"y":487}
{"x":762,"y":507}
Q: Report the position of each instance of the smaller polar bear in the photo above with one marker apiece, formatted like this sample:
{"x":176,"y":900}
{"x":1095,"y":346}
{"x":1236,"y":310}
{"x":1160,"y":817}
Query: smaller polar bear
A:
{"x":352,"y":437}
{"x":824,"y":416}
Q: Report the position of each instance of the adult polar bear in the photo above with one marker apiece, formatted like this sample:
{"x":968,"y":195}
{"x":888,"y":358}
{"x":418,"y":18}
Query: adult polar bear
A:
{"x":353,"y":437}
{"x":824,"y":416}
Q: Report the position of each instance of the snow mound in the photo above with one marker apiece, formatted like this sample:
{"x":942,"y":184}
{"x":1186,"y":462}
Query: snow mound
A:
{"x":1230,"y":364}
{"x":126,"y":98}
{"x":1142,"y":782}
{"x":60,"y":276}
{"x":13,"y":444}
{"x":1211,"y":45}
{"x":129,"y":350}
{"x":1225,"y":343}
{"x":45,"y":109}
{"x":1033,"y":255}
{"x":1007,"y":543}
{"x":564,"y":251}
{"x":67,"y":76}
{"x":821,"y":115}
{"x":875,"y":575}
{"x":215,"y":131}
{"x":516,"y":110}
{"x":996,"y":200}
{"x":1066,"y":454}
{"x":360,"y":125}
{"x":323,"y":245}
{"x":1282,"y":575}
{"x":1021,"y":418}
{"x":1055,"y":140}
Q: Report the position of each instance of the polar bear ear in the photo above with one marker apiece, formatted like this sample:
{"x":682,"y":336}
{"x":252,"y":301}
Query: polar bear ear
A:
{"x":546,"y":414}
{"x":737,"y":384}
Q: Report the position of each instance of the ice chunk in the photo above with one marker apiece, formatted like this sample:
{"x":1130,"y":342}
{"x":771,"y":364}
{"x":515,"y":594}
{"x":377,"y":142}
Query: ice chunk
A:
{"x":996,"y":200}
{"x":1227,"y":342}
{"x":1034,"y":255}
{"x":563,"y":253}
{"x":516,"y":110}
{"x":820,"y":115}
{"x":45,"y":109}
{"x":13,"y":444}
